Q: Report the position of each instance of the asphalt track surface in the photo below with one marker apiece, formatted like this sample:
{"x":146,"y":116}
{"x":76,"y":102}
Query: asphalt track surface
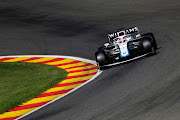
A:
{"x":145,"y":89}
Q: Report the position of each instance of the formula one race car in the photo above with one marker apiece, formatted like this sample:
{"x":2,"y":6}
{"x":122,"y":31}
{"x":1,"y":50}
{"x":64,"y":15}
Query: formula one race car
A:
{"x":125,"y":45}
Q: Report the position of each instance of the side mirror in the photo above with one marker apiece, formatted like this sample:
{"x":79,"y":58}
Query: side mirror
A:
{"x":106,"y":44}
{"x":138,"y":36}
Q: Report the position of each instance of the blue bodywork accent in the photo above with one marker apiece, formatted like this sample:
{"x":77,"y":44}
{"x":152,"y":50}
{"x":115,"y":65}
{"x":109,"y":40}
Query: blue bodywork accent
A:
{"x":124,"y":55}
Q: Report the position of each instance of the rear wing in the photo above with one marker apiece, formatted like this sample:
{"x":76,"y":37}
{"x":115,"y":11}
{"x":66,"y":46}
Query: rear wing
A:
{"x":134,"y":31}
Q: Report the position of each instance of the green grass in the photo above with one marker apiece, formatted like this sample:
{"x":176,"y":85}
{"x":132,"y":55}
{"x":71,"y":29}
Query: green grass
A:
{"x":20,"y":82}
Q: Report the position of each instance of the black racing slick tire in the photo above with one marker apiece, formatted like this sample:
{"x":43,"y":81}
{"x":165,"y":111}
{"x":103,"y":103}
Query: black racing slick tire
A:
{"x":147,"y":45}
{"x":100,"y":57}
{"x":153,"y":40}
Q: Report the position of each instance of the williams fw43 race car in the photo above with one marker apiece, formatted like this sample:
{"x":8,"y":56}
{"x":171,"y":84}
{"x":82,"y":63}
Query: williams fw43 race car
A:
{"x":125,"y":45}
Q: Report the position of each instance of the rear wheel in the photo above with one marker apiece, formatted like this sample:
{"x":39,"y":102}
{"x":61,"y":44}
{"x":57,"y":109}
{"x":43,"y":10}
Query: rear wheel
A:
{"x":153,"y":40}
{"x":147,"y":45}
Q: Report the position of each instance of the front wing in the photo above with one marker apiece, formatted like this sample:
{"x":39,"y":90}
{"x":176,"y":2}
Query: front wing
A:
{"x":117,"y":63}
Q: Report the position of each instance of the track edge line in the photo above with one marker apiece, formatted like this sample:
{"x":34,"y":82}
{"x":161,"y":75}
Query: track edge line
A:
{"x":57,"y":56}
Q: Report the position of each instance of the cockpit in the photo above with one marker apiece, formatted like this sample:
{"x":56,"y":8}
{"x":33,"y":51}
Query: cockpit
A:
{"x":120,"y":39}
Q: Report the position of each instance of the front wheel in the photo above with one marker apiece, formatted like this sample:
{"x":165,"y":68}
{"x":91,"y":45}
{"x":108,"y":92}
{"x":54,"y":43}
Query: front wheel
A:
{"x":100,"y":58}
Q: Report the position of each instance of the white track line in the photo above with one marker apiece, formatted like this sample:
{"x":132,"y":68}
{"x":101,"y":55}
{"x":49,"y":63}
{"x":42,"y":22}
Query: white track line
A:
{"x":58,"y":56}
